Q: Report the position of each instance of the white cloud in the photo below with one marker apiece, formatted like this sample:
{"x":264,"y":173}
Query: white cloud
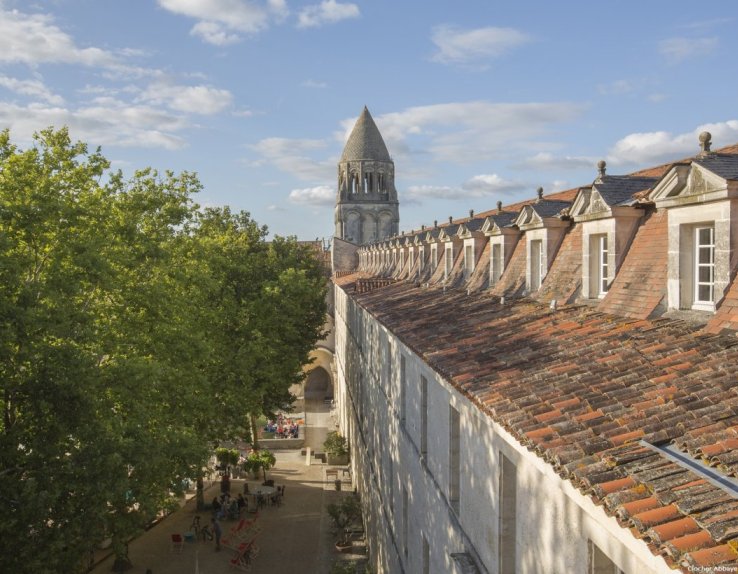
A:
{"x":661,"y":146}
{"x":33,"y":39}
{"x":294,"y":156}
{"x":203,"y":100}
{"x":33,"y":88}
{"x":490,"y":184}
{"x":214,"y":33}
{"x":319,"y":195}
{"x":221,"y":21}
{"x":327,"y":12}
{"x":457,"y":46}
{"x":546,"y":160}
{"x":677,"y":50}
{"x":105,"y":121}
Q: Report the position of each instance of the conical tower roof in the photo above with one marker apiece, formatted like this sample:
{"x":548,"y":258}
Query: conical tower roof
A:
{"x":365,"y":141}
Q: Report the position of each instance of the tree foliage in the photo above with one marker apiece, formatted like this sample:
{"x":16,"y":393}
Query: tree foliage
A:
{"x":136,"y":330}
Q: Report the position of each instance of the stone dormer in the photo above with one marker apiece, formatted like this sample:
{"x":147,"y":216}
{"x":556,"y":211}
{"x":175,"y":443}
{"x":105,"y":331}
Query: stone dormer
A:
{"x":609,"y":213}
{"x":700,"y":196}
{"x":451,"y":247}
{"x":434,"y":249}
{"x":544,"y":223}
{"x":473,"y":242}
{"x":503,"y":237}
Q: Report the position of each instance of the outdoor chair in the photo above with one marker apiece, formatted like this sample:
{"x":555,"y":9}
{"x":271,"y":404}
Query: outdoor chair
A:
{"x":177,"y":542}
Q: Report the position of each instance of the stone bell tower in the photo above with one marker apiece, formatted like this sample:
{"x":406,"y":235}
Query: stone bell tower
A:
{"x":367,"y":209}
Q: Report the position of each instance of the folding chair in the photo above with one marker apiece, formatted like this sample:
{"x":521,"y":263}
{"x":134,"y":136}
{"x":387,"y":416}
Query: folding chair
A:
{"x":177,"y":542}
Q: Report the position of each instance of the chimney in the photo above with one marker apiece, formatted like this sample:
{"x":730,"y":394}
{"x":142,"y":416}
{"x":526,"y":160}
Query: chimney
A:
{"x":471,"y":214}
{"x":422,"y":227}
{"x":540,"y":194}
{"x":450,"y":219}
{"x":435,"y":223}
{"x":499,"y":206}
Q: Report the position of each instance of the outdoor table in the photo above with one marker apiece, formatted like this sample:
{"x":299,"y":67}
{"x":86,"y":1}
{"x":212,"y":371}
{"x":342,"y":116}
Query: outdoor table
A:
{"x":265,"y":491}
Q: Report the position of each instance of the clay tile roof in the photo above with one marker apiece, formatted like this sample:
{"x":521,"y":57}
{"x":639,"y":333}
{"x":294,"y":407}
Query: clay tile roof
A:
{"x":659,"y":380}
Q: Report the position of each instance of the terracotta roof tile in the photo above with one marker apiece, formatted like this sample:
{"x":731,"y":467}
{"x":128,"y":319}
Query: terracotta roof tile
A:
{"x":712,"y":556}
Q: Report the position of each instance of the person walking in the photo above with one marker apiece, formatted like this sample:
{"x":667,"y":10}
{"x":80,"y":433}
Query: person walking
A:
{"x":218,"y":532}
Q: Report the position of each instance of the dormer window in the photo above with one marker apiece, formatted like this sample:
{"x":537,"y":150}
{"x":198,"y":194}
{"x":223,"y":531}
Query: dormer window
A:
{"x":402,"y":258}
{"x":412,"y":257}
{"x":699,"y":197}
{"x":599,"y":273}
{"x":449,"y":260}
{"x":495,"y":264}
{"x":609,"y":216}
{"x":434,"y":255}
{"x":468,"y":259}
{"x":537,"y":264}
{"x":698,"y":267}
{"x":421,"y":255}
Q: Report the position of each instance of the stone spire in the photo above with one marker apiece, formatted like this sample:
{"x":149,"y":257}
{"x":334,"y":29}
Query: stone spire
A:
{"x":367,"y":209}
{"x":365,"y":141}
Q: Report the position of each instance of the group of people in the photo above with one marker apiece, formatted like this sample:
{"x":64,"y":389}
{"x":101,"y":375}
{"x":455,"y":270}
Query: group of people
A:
{"x":226,"y":506}
{"x":283,"y":427}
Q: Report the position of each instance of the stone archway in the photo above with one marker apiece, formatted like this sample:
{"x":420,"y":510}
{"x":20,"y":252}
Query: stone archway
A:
{"x":318,"y":384}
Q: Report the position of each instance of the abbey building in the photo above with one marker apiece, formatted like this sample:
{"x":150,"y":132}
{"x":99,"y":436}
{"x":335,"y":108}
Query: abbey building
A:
{"x":549,"y":386}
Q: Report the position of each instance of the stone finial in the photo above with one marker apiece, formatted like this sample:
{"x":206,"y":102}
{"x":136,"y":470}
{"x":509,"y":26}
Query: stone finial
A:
{"x":705,"y":141}
{"x":499,"y":206}
{"x":435,"y":223}
{"x":471,"y":214}
{"x":540,"y":194}
{"x":450,"y":219}
{"x":422,"y":227}
{"x":601,"y":167}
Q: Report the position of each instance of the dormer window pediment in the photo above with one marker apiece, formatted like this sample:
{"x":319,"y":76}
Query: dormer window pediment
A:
{"x":545,"y":214}
{"x":528,"y":219}
{"x":490,"y":227}
{"x":692,"y":184}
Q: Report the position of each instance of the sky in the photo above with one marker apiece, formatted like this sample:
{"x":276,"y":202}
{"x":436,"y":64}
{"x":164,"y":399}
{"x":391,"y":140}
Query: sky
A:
{"x":477,"y":100}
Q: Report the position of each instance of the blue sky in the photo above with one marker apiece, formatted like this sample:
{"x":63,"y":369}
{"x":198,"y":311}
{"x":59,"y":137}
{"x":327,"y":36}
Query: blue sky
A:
{"x":477,"y":100}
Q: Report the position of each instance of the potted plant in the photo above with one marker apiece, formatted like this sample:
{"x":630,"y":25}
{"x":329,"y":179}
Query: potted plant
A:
{"x":336,"y":449}
{"x":344,"y":514}
{"x":227,"y":457}
{"x":259,"y":460}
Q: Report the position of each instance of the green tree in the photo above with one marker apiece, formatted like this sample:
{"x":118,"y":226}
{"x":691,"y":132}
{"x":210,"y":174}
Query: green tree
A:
{"x":136,"y":331}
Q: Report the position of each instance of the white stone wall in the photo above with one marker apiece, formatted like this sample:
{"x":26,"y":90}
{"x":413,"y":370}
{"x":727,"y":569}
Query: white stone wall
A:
{"x":554,"y":522}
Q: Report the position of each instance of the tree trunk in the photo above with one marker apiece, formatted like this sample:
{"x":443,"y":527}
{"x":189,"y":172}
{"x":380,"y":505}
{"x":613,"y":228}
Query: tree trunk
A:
{"x":254,"y":434}
{"x":122,"y":561}
{"x":200,"y":496}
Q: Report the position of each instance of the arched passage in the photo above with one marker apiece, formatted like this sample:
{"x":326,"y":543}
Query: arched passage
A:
{"x":318,"y":384}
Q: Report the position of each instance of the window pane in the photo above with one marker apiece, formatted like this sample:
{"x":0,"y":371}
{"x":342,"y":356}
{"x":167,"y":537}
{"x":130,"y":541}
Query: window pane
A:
{"x":705,"y":255}
{"x":704,"y":293}
{"x":705,"y":275}
{"x":705,"y":235}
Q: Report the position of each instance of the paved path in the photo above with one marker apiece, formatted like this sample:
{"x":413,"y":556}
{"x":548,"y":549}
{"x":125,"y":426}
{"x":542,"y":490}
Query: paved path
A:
{"x":295,"y":537}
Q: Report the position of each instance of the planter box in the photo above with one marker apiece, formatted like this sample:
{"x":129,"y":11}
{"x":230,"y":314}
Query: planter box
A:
{"x":337,"y":460}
